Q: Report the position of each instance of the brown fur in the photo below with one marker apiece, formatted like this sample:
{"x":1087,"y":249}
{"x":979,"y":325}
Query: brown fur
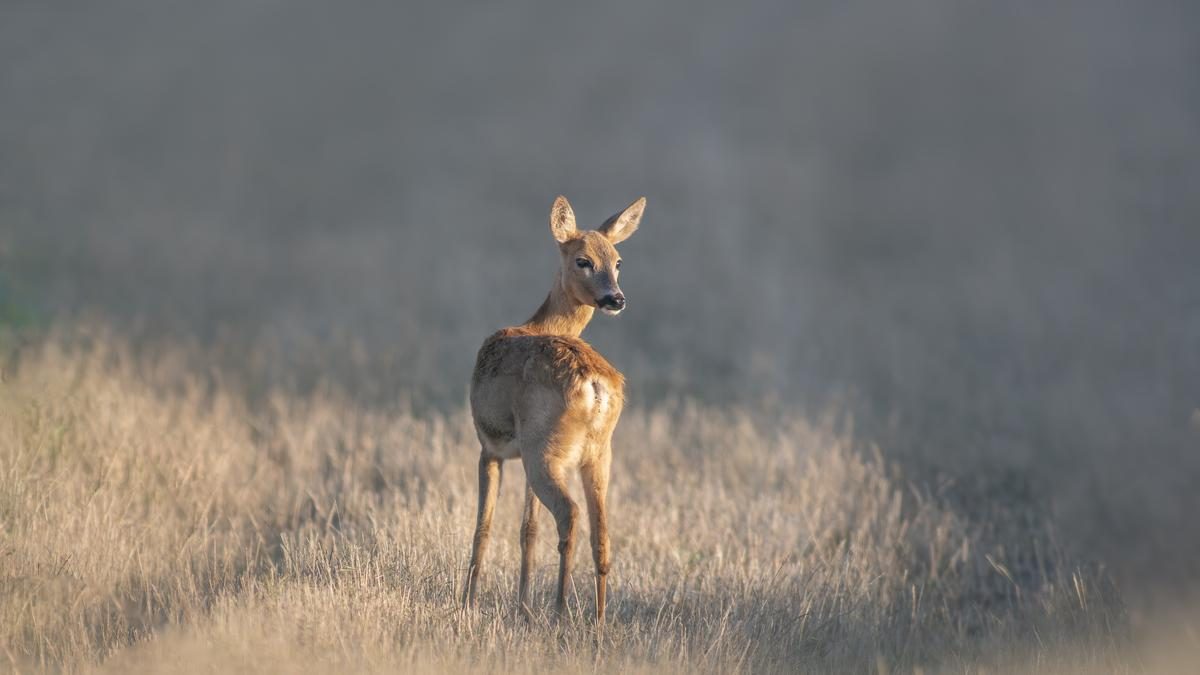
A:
{"x":569,"y":360}
{"x":540,"y":393}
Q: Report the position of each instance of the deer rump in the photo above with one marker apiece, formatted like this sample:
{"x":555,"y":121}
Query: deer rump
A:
{"x":525,"y":382}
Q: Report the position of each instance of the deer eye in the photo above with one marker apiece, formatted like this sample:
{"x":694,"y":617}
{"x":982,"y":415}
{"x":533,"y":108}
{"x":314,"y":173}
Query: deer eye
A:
{"x":583,"y":263}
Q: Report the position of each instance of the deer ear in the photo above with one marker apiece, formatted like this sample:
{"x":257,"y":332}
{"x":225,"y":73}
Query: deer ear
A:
{"x":562,"y":219}
{"x":618,"y":228}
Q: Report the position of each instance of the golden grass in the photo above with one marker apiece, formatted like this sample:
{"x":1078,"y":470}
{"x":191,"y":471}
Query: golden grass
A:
{"x":155,"y":521}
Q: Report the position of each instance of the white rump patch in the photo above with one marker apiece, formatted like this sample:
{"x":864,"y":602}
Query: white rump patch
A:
{"x":592,"y":396}
{"x":601,"y":396}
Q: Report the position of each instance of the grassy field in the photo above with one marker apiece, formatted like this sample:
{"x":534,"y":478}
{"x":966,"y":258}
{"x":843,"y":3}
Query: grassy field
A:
{"x":911,"y":345}
{"x":156,"y":520}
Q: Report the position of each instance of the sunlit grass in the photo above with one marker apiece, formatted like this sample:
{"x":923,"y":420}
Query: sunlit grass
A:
{"x":155,"y":521}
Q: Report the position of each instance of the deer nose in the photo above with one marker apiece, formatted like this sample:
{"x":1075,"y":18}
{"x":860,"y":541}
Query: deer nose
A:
{"x":613,"y":301}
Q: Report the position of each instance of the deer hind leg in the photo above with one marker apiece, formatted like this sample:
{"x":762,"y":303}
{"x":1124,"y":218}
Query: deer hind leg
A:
{"x":550,"y":487}
{"x":528,"y":539}
{"x":595,"y":490}
{"x":489,"y":486}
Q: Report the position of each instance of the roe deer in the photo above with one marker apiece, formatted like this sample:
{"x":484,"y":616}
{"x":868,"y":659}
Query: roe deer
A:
{"x":542,"y":394}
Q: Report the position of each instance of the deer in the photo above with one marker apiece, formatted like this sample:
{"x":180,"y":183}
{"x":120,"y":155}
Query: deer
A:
{"x":541,"y":394}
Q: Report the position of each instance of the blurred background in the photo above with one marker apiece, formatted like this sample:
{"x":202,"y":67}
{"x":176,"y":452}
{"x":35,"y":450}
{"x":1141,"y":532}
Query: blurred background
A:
{"x":970,"y":228}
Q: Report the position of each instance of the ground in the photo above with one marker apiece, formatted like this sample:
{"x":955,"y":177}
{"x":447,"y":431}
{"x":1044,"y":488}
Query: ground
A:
{"x":157,"y":521}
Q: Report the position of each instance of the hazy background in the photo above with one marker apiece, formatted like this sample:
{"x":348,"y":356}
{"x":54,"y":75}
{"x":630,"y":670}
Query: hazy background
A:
{"x":972,"y":227}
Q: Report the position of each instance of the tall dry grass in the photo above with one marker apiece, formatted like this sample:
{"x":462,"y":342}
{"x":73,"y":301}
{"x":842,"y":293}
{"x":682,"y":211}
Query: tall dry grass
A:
{"x":154,"y":520}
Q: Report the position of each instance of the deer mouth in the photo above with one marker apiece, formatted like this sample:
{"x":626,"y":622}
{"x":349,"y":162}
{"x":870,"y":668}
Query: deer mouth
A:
{"x":611,"y":304}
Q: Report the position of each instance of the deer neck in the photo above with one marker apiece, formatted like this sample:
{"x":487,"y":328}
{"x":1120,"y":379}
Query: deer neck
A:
{"x":560,"y":314}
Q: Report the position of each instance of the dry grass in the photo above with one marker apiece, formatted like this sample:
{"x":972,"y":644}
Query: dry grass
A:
{"x":968,"y":227}
{"x":155,"y":521}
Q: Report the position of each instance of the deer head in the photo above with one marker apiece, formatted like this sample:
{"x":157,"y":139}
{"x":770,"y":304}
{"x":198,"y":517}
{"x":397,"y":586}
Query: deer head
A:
{"x":590,"y":265}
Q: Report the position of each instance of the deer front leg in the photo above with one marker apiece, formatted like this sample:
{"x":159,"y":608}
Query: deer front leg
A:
{"x":528,"y":539}
{"x":595,"y":489}
{"x":489,"y":486}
